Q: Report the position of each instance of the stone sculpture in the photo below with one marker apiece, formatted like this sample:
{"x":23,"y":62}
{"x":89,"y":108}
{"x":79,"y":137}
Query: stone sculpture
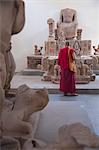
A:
{"x":51,"y":24}
{"x":71,"y":137}
{"x":79,"y":32}
{"x":37,"y":51}
{"x":35,"y":61}
{"x":96,"y":50}
{"x":68,"y":23}
{"x":12,"y":18}
{"x":52,"y":72}
{"x":66,"y":30}
{"x":77,"y":136}
{"x":57,"y":70}
{"x":27,"y":102}
{"x":16,"y":122}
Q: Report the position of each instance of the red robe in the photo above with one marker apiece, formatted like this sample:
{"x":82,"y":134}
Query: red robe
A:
{"x":67,"y":80}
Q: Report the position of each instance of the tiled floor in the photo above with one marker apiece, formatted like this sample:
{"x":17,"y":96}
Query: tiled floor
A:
{"x":89,"y":101}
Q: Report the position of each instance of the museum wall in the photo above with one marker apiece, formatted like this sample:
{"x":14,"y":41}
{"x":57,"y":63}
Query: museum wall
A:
{"x":36,"y":29}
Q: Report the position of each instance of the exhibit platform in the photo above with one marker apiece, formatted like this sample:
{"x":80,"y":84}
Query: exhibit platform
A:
{"x":35,"y":82}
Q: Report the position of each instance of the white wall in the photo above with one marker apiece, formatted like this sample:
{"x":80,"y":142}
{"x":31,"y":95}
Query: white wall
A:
{"x":36,"y":29}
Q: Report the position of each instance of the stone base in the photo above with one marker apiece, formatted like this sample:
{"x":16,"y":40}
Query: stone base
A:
{"x":46,"y":77}
{"x":32,"y":72}
{"x":80,"y":79}
{"x":33,"y":62}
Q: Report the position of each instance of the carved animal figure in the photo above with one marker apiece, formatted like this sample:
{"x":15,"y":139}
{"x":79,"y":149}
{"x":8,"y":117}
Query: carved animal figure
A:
{"x":28,"y":101}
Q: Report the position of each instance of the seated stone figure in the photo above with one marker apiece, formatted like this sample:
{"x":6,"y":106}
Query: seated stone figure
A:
{"x":68,"y":23}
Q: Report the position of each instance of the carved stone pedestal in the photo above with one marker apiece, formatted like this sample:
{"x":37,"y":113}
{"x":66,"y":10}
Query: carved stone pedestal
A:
{"x":80,"y":79}
{"x":34,"y":62}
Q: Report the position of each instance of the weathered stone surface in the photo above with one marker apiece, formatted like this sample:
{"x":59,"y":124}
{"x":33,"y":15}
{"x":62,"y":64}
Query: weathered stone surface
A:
{"x":51,"y":24}
{"x":77,"y":135}
{"x":50,"y":47}
{"x":13,"y":19}
{"x":16,"y":122}
{"x":68,"y":23}
{"x":71,"y":137}
{"x":66,"y":31}
{"x":34,"y":61}
{"x":8,"y":143}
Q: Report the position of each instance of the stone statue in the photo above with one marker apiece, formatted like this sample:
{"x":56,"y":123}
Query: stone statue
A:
{"x":68,"y":23}
{"x":51,"y":24}
{"x":82,"y":69}
{"x":15,"y":122}
{"x":12,"y":18}
{"x":77,"y":136}
{"x":38,"y":51}
{"x":57,"y":70}
{"x":50,"y":66}
{"x":79,"y":32}
{"x":66,"y":30}
{"x":96,"y":50}
{"x":71,"y":137}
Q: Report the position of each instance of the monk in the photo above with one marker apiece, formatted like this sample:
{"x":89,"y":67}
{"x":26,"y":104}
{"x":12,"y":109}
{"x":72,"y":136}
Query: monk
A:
{"x":67,"y":79}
